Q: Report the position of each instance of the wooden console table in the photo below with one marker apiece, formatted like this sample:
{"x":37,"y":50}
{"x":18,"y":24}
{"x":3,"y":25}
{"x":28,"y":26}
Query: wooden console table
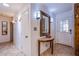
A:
{"x":45,"y":40}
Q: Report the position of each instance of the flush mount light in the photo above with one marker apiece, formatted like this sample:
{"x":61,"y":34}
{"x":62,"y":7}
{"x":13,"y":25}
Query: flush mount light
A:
{"x":52,"y":10}
{"x":6,"y":5}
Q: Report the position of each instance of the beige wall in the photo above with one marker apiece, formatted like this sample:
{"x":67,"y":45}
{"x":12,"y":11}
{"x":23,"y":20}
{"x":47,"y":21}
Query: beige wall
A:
{"x":5,"y":38}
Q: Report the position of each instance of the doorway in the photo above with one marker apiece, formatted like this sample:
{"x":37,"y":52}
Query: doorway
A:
{"x":11,"y":32}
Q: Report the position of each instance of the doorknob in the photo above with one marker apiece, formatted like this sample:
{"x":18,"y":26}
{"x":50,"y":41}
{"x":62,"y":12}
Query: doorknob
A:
{"x":70,"y":31}
{"x":26,"y":36}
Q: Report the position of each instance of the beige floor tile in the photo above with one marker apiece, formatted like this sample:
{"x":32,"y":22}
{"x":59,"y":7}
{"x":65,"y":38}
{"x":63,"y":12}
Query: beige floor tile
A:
{"x":8,"y":49}
{"x":60,"y":50}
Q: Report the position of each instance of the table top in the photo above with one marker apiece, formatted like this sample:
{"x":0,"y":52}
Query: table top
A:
{"x":45,"y":39}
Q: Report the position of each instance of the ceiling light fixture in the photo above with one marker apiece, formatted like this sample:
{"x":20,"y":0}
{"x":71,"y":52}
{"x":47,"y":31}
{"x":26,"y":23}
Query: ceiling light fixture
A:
{"x":52,"y":10}
{"x":6,"y":5}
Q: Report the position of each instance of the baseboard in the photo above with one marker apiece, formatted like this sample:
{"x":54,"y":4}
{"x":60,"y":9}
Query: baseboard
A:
{"x":5,"y":42}
{"x":63,"y":44}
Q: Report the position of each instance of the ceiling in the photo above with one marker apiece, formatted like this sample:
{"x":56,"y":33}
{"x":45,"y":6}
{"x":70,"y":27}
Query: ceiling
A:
{"x":57,"y":8}
{"x":14,"y":8}
{"x":53,"y":8}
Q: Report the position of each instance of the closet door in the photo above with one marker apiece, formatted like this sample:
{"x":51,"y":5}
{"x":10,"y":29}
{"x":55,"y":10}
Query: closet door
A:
{"x":76,"y":14}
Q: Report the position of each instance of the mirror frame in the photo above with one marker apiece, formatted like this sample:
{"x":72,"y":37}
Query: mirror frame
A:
{"x":41,"y":20}
{"x":4,"y":25}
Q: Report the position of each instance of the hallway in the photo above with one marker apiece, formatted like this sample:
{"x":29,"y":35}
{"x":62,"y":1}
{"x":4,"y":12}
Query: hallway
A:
{"x":7,"y":49}
{"x":60,"y":50}
{"x":31,"y":22}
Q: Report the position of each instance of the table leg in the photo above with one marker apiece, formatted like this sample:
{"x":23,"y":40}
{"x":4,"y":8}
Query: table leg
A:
{"x":51,"y":46}
{"x":38,"y":48}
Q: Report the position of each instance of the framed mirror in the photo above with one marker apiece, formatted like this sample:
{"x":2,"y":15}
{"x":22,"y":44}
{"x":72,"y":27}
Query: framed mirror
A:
{"x":4,"y":27}
{"x":44,"y":24}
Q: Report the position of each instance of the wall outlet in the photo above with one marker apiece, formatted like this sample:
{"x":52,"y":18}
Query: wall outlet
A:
{"x":46,"y":45}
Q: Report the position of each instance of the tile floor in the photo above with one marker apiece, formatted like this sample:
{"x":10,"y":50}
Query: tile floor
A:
{"x":60,"y":50}
{"x":7,"y":49}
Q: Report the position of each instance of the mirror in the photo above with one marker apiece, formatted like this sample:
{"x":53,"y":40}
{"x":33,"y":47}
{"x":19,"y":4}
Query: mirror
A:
{"x":44,"y":24}
{"x":4,"y":27}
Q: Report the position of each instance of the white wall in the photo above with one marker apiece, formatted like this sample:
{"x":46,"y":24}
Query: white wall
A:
{"x":16,"y":32}
{"x":21,"y":28}
{"x":53,"y":26}
{"x":52,"y":30}
{"x":36,"y":34}
{"x":5,"y":38}
{"x":62,"y":37}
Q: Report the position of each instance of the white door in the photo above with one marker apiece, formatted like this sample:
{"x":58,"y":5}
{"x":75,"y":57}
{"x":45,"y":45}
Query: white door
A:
{"x":66,"y":32}
{"x":25,"y":33}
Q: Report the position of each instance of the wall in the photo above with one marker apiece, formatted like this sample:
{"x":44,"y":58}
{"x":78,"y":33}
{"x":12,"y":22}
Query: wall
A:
{"x":31,"y":43}
{"x":63,"y":37}
{"x":36,"y":34}
{"x":22,"y":28}
{"x":17,"y":34}
{"x":5,"y":38}
{"x":53,"y":26}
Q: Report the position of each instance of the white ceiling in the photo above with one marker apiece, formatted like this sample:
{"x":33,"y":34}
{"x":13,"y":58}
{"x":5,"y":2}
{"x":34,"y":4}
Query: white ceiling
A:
{"x":14,"y":8}
{"x":53,"y":8}
{"x":57,"y":8}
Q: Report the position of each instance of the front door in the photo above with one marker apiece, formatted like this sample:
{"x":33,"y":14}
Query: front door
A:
{"x":66,"y":31}
{"x":76,"y":29}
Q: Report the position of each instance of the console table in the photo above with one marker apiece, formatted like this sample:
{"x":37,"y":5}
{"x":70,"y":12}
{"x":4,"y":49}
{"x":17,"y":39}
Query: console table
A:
{"x":45,"y":40}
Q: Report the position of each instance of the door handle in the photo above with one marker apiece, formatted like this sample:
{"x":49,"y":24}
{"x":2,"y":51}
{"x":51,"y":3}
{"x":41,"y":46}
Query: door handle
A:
{"x":70,"y":31}
{"x":26,"y":36}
